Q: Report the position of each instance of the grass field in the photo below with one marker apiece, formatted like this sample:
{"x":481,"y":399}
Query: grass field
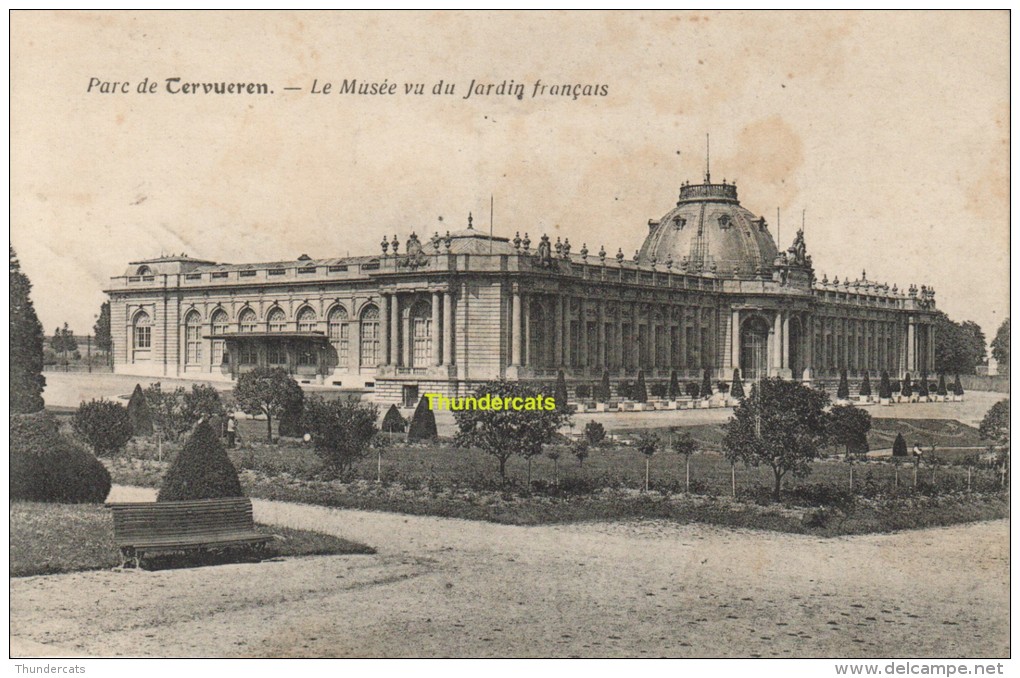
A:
{"x":52,"y":538}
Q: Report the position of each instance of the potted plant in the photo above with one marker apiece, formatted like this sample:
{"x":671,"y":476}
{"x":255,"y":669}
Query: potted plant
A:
{"x":884,"y":389}
{"x":864,"y":394}
{"x":957,"y":390}
{"x":941,"y":392}
{"x":843,"y":390}
{"x":922,"y":388}
{"x":673,"y":393}
{"x":693,"y":392}
{"x":906,"y":391}
{"x":706,"y":390}
{"x":737,"y":389}
{"x":641,"y":393}
{"x":603,"y":394}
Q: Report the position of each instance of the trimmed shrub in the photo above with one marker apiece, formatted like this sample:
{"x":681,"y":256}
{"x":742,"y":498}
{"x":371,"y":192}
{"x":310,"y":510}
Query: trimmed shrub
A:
{"x":394,"y":422}
{"x":722,"y":387}
{"x":423,"y":423}
{"x":103,"y":425}
{"x":674,"y":386}
{"x":605,"y":392}
{"x":625,"y":390}
{"x":292,"y":418}
{"x":906,"y":389}
{"x":640,"y":392}
{"x":843,"y":390}
{"x":48,"y":467}
{"x":865,"y":386}
{"x":737,"y":390}
{"x":138,"y":413}
{"x":583,"y":391}
{"x":343,"y":431}
{"x":706,"y":385}
{"x":957,"y":386}
{"x":560,"y":394}
{"x":201,"y":470}
{"x":899,"y":447}
{"x":659,"y":390}
{"x":692,"y":390}
{"x":884,"y":387}
{"x":922,"y":385}
{"x":594,"y":433}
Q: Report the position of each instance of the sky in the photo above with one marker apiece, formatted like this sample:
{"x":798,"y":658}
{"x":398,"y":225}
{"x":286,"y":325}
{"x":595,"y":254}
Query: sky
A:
{"x":887,"y":134}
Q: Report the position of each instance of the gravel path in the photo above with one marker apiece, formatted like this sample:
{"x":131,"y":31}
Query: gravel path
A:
{"x":442,"y":587}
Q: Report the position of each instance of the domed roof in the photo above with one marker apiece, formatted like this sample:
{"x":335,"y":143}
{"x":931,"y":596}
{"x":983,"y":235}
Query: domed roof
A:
{"x":708,"y":230}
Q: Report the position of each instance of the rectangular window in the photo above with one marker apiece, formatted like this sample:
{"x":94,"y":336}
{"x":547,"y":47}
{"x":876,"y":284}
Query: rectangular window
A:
{"x":248,"y":354}
{"x":193,"y":276}
{"x":143,"y":337}
{"x":277,"y":354}
{"x":277,"y":271}
{"x":219,"y":275}
{"x":307,"y":357}
{"x":246,"y":274}
{"x":422,"y":342}
{"x":369,"y":344}
{"x":337,"y":269}
{"x":217,"y":353}
{"x":306,"y":270}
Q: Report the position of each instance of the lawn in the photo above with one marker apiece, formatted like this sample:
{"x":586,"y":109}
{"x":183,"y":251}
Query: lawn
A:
{"x":52,"y":538}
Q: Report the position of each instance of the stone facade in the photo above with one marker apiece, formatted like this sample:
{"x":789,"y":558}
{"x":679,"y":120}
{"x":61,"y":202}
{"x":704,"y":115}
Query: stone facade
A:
{"x":708,"y":290}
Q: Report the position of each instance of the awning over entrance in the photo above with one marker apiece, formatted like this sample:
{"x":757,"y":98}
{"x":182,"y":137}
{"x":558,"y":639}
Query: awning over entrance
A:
{"x":257,"y":336}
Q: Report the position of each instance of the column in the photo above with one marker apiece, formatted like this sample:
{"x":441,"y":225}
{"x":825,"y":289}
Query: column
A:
{"x":777,"y":343}
{"x":809,"y":349}
{"x":568,"y":357}
{"x":786,"y":341}
{"x":447,"y":328}
{"x":526,"y":358}
{"x":618,"y":344}
{"x":406,"y":333}
{"x":435,"y":330}
{"x":384,"y":328}
{"x":515,"y":329}
{"x":735,"y":339}
{"x":635,"y":338}
{"x":911,"y":348}
{"x":683,"y":338}
{"x":602,"y":334}
{"x":395,"y":331}
{"x":582,"y":337}
{"x":558,"y":334}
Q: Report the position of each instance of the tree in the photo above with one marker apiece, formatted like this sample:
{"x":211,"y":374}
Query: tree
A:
{"x":394,"y":422}
{"x":594,"y":433}
{"x":1000,"y":345}
{"x":848,"y":426}
{"x":167,"y":409}
{"x":267,"y":391}
{"x":737,"y":389}
{"x":104,"y":339}
{"x":685,"y":445}
{"x":899,"y":447}
{"x":201,"y":470}
{"x":706,"y":385}
{"x":47,"y":466}
{"x":554,"y":453}
{"x":843,"y":390}
{"x":202,"y":402}
{"x":64,"y":341}
{"x":103,"y":425}
{"x":865,"y":386}
{"x":342,"y":431}
{"x":423,"y":423}
{"x":995,"y":427}
{"x":292,"y":418}
{"x":25,"y":343}
{"x":605,"y":392}
{"x":959,"y":347}
{"x":884,"y":387}
{"x":674,"y":386}
{"x":580,"y":451}
{"x":504,"y":433}
{"x":560,"y":392}
{"x":138,"y":413}
{"x":781,"y":425}
{"x":640,"y":392}
{"x":647,"y":444}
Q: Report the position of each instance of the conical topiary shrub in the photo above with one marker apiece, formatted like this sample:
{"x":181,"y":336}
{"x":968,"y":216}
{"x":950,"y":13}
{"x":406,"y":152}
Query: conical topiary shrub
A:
{"x":737,"y":389}
{"x":674,"y":386}
{"x":640,"y":391}
{"x":139,"y":414}
{"x":706,"y":385}
{"x":49,"y":467}
{"x":560,"y":394}
{"x":865,"y":386}
{"x":907,"y":389}
{"x":884,"y":387}
{"x":423,"y":423}
{"x":942,"y":386}
{"x":201,"y":470}
{"x":922,"y":385}
{"x":394,"y":422}
{"x":604,"y":388}
{"x":957,"y":387}
{"x":899,"y":446}
{"x":843,"y":391}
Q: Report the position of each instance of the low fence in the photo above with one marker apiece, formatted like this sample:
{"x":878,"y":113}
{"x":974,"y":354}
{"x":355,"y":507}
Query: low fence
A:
{"x":979,"y":382}
{"x":107,"y":369}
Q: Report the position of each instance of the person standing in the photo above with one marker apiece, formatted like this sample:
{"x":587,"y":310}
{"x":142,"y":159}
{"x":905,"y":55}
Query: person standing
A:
{"x":231,"y":430}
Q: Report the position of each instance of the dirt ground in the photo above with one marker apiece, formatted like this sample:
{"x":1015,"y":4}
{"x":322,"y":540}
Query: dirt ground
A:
{"x":441,"y":587}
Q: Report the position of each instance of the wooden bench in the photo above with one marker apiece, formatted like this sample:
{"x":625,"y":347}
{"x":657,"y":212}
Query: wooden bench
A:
{"x":178,"y":526}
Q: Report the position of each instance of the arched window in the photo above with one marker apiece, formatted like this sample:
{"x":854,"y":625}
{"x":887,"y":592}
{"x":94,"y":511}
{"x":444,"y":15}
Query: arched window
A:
{"x":421,"y":334}
{"x":370,"y":336}
{"x":246,"y":320}
{"x":219,"y":326}
{"x":339,"y":334}
{"x":306,"y":320}
{"x":143,"y":331}
{"x":277,"y":320}
{"x":143,"y":270}
{"x":193,"y":338}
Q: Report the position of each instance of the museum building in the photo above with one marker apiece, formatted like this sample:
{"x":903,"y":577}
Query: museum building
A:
{"x":708,"y":289}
